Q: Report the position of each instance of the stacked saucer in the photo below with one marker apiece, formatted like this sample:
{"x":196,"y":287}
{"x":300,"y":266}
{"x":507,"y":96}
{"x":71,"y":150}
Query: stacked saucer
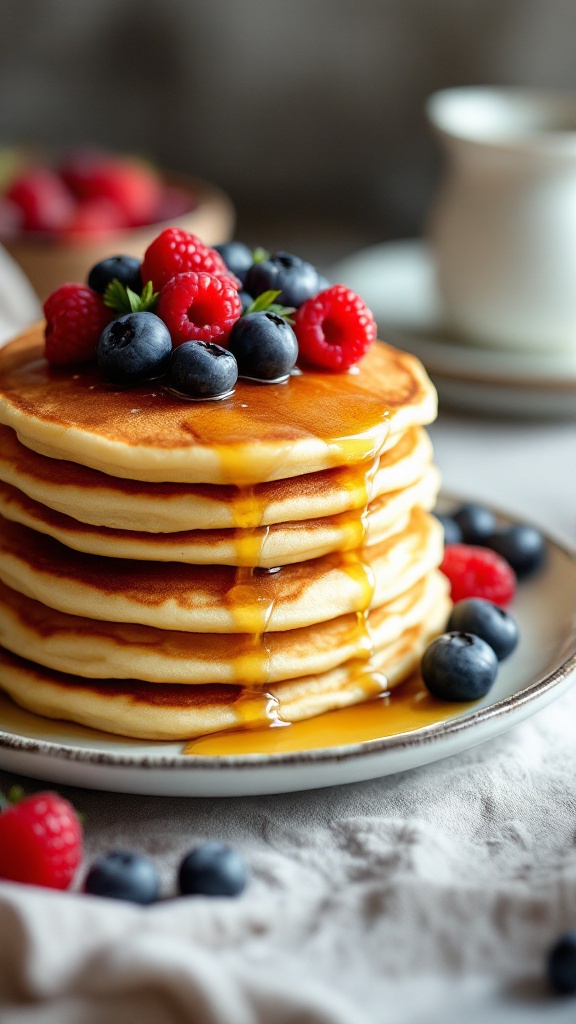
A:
{"x":173,"y":568}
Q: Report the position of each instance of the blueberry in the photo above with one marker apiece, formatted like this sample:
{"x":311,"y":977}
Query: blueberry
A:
{"x":476,"y":523}
{"x":125,"y":269}
{"x":488,"y":621}
{"x":296,"y":279}
{"x":452,"y":532}
{"x":459,"y":667}
{"x":265,"y":346}
{"x":237,"y":257}
{"x":562,"y":964}
{"x":202,"y":369}
{"x":122,"y":875}
{"x":523,"y":547}
{"x":212,"y":870}
{"x":133,"y":348}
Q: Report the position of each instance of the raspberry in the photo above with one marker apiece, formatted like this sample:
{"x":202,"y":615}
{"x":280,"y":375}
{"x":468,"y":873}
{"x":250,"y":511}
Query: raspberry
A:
{"x":334,"y":329}
{"x":199,"y":307}
{"x":478,"y":572}
{"x":40,"y":841}
{"x":75,"y":318}
{"x":132,"y":187}
{"x":176,"y":252}
{"x":44,"y":200}
{"x":94,"y":218}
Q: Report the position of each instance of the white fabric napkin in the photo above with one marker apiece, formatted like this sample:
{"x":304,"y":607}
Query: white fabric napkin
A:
{"x":19,"y":304}
{"x":431,"y":896}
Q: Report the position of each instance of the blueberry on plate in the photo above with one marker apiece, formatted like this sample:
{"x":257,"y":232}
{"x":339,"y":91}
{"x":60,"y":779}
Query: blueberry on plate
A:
{"x":488,"y":621}
{"x":265,"y":346}
{"x":296,"y":279}
{"x":125,"y":269}
{"x":561,"y":967}
{"x":212,"y":870}
{"x":523,"y":547}
{"x":452,"y":532}
{"x":459,"y":667}
{"x":238,"y":258}
{"x":476,"y":523}
{"x":202,"y":369}
{"x":133,"y":348}
{"x":122,"y":875}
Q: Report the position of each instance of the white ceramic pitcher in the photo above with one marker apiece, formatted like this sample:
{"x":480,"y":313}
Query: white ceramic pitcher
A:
{"x":503,"y":226}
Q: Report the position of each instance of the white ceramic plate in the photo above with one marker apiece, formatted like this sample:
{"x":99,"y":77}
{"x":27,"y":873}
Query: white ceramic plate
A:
{"x":397,"y":282}
{"x":540,"y":670}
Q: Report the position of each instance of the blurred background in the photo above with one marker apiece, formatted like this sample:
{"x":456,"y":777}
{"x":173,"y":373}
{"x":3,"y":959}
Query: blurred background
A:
{"x":309,"y":113}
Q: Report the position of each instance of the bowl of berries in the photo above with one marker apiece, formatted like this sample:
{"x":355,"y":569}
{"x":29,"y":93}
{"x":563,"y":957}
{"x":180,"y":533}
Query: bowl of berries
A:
{"x":60,"y":216}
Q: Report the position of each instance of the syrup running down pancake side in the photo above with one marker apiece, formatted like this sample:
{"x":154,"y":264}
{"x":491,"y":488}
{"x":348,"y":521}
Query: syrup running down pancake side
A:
{"x":327,"y":474}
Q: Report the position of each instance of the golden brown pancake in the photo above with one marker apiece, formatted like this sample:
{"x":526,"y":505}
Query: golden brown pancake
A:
{"x":216,"y":598}
{"x":312,"y":422}
{"x":100,"y":649}
{"x":266,"y":546}
{"x":102,"y":500}
{"x":147,"y":711}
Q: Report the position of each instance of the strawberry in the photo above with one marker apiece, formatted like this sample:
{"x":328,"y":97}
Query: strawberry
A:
{"x":75,"y":318}
{"x":40,"y":841}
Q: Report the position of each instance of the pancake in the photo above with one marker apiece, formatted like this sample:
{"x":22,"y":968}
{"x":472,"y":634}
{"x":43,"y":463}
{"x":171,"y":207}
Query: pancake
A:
{"x":102,"y":500}
{"x":217,"y":599}
{"x":265,"y":546}
{"x":170,"y":712}
{"x":312,"y":422}
{"x":99,"y":649}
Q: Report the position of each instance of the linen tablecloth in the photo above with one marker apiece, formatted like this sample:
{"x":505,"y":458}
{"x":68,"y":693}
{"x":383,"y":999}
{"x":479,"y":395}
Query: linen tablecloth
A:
{"x":427,"y":897}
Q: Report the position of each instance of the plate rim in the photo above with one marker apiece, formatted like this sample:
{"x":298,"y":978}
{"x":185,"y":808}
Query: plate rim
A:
{"x":320,"y":755}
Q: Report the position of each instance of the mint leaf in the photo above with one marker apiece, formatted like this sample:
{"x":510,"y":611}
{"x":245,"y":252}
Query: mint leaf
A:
{"x":262,"y":301}
{"x":123,"y":300}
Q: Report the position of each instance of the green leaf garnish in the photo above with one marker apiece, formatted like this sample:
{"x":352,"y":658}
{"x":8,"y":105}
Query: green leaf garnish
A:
{"x":123,"y":300}
{"x":265,"y":303}
{"x":260,"y":254}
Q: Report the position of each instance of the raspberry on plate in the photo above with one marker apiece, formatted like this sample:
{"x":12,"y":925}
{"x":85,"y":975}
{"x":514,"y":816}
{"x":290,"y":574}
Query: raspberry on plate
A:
{"x":40,"y":841}
{"x":334,"y":329}
{"x":478,"y":572}
{"x":175,"y":251}
{"x":75,"y":318}
{"x":199,"y":307}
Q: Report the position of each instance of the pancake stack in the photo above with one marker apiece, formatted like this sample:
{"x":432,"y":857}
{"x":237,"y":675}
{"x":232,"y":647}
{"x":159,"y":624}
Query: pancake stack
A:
{"x":172,"y":568}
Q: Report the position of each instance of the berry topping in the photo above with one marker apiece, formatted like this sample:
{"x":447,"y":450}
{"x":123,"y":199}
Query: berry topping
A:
{"x":40,"y":841}
{"x":265,"y":346}
{"x":134,"y":348}
{"x":452,"y":532}
{"x":562,"y":964}
{"x":476,"y":523}
{"x":335,"y":329}
{"x":246,"y":300}
{"x":202,"y":370}
{"x":122,"y":875}
{"x":199,"y":307}
{"x":478,"y":572}
{"x":459,"y":667}
{"x":45,"y":202}
{"x":237,"y":257}
{"x":176,"y":252}
{"x":213,"y":870}
{"x":75,"y":318}
{"x":125,"y":269}
{"x":488,"y":621}
{"x":294,"y":278}
{"x":523,"y":547}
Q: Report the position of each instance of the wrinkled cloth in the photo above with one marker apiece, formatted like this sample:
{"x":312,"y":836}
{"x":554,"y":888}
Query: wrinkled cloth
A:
{"x":406,"y":900}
